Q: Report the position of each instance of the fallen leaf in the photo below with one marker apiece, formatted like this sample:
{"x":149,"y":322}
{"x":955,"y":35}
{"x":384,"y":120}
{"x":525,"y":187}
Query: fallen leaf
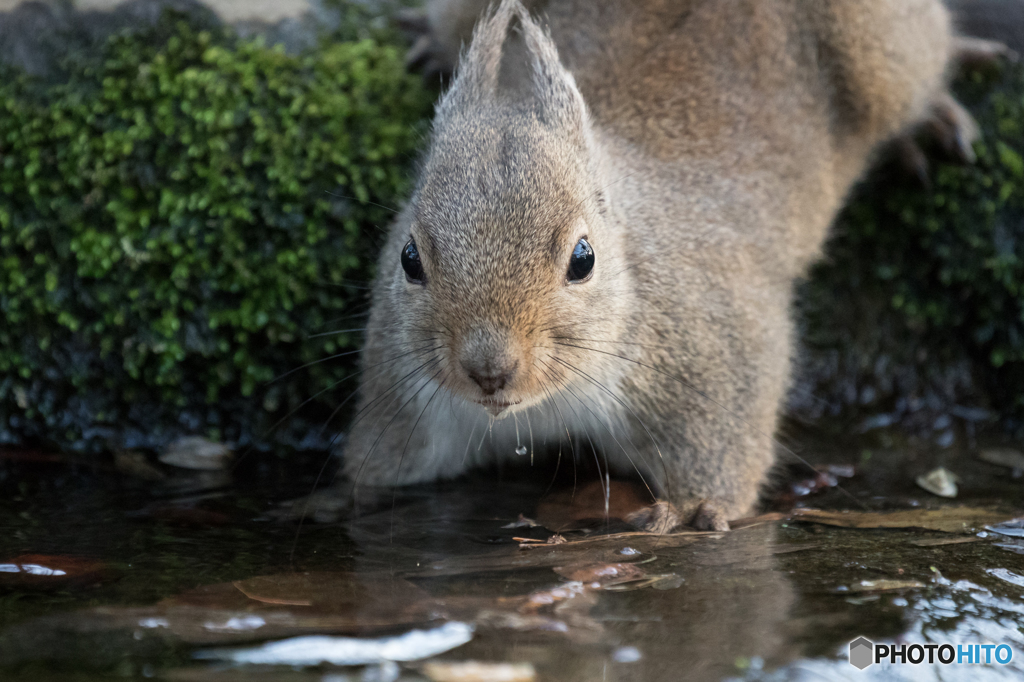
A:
{"x":789,"y":549}
{"x":824,"y":477}
{"x":541,"y":599}
{"x":343,"y":603}
{"x":941,"y":482}
{"x":666,"y":581}
{"x":300,"y":651}
{"x":568,"y":510}
{"x":667,"y":540}
{"x":1005,"y":457}
{"x":945,"y":519}
{"x":1015,"y":546}
{"x":47,"y":571}
{"x":880,"y":586}
{"x":522,"y":522}
{"x":476,"y":671}
{"x":940,"y":542}
{"x":1013,"y":528}
{"x":601,"y":574}
{"x":1007,"y":576}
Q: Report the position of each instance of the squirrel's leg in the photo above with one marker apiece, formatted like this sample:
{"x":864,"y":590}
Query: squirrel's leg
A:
{"x":403,"y":433}
{"x":947,"y":123}
{"x":711,"y":410}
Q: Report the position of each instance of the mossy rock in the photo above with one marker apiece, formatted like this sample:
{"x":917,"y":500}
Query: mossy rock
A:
{"x":179,"y":220}
{"x":917,"y":313}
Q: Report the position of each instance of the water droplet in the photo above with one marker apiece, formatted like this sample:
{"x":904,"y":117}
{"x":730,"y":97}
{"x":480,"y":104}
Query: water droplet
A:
{"x":521,"y":450}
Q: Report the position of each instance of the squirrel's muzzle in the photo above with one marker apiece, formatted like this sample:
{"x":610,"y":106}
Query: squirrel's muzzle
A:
{"x":490,"y":359}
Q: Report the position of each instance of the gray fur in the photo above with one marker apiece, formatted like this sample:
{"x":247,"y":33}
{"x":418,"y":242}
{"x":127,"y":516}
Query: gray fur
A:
{"x":703,"y":147}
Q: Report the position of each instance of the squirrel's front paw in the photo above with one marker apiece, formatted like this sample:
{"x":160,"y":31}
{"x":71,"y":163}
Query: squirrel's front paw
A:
{"x":663,"y":517}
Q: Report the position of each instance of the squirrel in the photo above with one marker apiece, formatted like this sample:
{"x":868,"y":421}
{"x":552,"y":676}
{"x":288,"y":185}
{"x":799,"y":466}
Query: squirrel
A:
{"x":601,"y":248}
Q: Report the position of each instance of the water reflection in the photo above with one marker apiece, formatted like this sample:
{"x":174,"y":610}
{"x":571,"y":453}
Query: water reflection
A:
{"x":763,"y":602}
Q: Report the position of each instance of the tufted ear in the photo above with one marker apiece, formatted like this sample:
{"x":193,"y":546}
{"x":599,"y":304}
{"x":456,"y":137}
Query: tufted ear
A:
{"x":476,"y":76}
{"x":553,"y":89}
{"x":559,"y":100}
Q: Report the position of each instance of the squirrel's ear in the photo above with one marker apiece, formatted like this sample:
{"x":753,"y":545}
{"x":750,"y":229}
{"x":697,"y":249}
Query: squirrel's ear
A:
{"x":560,"y":101}
{"x":476,"y":77}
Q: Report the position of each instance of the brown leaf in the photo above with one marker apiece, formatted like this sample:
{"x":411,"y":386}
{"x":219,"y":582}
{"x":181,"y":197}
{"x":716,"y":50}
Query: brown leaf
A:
{"x":541,"y":599}
{"x":871,"y":586}
{"x":568,"y":510}
{"x":945,"y":519}
{"x":343,"y":603}
{"x":939,"y":542}
{"x":601,"y":574}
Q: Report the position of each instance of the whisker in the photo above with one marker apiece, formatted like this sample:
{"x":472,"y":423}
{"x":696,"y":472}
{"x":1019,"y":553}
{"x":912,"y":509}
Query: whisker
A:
{"x":617,"y":442}
{"x":362,"y":201}
{"x":586,"y":431}
{"x":704,"y":395}
{"x":621,"y":402}
{"x":388,"y":426}
{"x":339,"y":331}
{"x":401,"y":459}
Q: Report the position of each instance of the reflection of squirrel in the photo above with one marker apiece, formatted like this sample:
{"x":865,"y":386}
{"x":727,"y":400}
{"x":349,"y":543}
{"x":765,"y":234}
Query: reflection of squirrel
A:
{"x":602,"y":244}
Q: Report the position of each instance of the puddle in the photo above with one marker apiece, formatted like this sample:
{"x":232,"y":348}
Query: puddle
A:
{"x":105,"y":576}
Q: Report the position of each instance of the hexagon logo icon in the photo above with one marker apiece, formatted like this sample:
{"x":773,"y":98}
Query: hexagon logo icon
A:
{"x":862,"y":653}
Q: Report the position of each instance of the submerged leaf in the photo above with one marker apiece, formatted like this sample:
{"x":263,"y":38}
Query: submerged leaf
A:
{"x":871,"y":586}
{"x":476,"y":671}
{"x":946,"y":519}
{"x":1014,"y":528}
{"x":592,"y":504}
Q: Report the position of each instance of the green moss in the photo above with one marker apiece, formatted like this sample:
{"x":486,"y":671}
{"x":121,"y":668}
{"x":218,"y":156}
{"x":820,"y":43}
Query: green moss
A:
{"x":178,"y":219}
{"x":921,"y":301}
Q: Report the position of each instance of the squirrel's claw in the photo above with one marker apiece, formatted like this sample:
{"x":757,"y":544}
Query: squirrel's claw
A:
{"x":975,"y":53}
{"x":663,"y":517}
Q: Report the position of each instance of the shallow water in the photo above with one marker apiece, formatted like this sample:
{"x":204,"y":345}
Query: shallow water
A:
{"x":123,"y":578}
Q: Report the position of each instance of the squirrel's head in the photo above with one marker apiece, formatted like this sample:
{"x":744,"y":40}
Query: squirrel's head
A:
{"x":506,"y":260}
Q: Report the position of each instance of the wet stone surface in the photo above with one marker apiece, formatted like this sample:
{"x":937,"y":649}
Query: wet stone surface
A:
{"x":105,"y":574}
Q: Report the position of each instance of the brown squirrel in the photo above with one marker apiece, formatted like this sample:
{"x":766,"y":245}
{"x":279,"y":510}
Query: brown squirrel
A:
{"x":602,"y":245}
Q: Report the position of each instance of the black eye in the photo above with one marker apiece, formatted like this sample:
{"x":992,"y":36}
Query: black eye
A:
{"x":582,"y":262}
{"x":412,"y":265}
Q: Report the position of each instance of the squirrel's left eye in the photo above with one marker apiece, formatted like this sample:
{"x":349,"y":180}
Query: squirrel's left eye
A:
{"x":581,"y":265}
{"x":412,"y":265}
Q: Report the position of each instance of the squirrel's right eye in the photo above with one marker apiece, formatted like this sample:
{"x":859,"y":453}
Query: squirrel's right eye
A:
{"x":412,"y":265}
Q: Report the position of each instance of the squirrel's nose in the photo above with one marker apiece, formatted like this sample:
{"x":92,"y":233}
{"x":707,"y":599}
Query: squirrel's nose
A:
{"x":492,"y":381}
